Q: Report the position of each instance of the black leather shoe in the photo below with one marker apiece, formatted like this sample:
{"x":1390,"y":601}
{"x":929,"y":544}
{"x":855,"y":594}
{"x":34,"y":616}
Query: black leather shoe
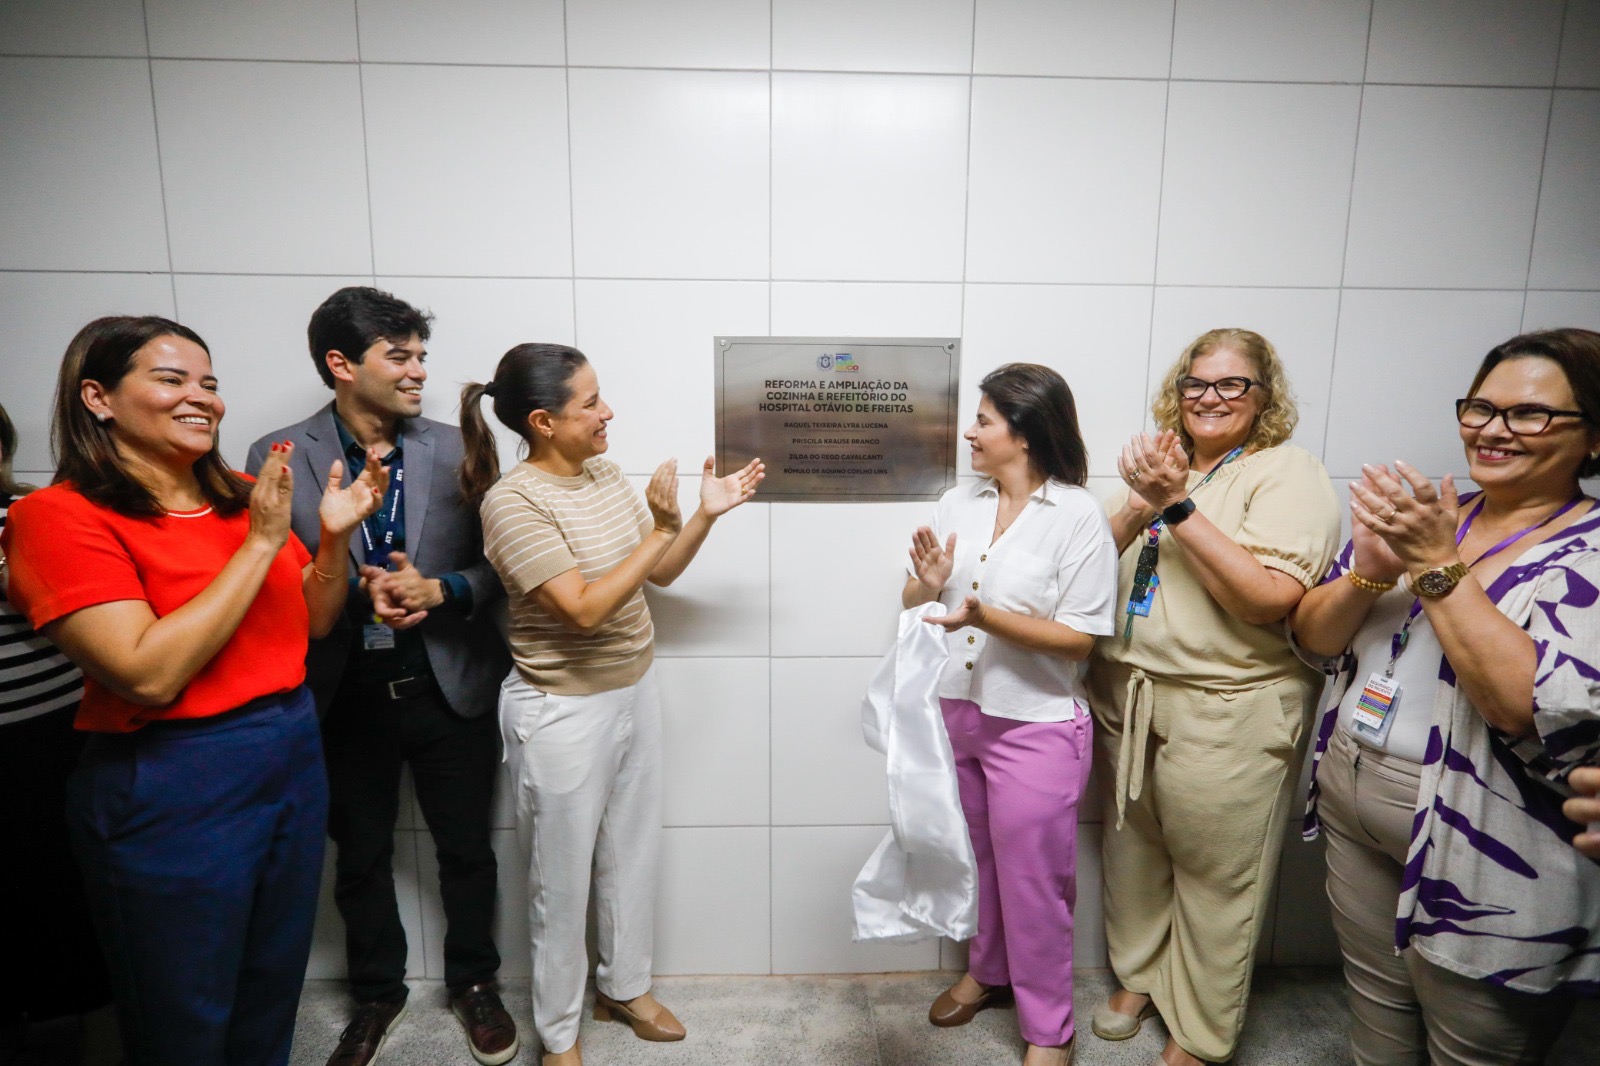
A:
{"x":363,"y":1038}
{"x":491,"y":1034}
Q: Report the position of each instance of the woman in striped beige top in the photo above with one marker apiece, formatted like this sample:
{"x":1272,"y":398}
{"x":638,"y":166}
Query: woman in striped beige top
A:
{"x":581,"y":719}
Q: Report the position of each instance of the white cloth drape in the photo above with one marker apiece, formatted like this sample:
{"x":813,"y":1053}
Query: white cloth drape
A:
{"x":922,"y":881}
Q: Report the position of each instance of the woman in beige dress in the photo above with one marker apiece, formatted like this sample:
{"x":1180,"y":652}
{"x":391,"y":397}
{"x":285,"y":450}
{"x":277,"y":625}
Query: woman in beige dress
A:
{"x":1200,"y":705}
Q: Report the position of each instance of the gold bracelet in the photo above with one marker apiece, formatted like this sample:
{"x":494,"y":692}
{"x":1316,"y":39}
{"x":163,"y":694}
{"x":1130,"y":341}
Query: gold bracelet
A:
{"x":322,"y":576}
{"x":1366,"y":584}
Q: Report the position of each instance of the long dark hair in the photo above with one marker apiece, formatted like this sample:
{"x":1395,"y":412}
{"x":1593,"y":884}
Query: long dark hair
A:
{"x":530,"y":377}
{"x":1038,"y":406}
{"x":1576,"y":352}
{"x":9,"y":486}
{"x":84,"y":452}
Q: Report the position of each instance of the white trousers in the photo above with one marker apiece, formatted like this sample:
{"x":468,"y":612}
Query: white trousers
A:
{"x":586,"y":771}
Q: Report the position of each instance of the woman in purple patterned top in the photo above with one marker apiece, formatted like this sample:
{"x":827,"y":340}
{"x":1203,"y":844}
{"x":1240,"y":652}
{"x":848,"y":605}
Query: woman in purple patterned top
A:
{"x":1467,"y":689}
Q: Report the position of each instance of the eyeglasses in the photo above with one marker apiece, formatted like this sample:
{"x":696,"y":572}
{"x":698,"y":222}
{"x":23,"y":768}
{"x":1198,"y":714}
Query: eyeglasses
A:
{"x":1523,"y":419}
{"x":1227,"y":389}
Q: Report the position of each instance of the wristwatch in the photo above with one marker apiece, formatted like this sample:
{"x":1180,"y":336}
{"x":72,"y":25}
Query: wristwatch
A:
{"x":1439,"y":580}
{"x":1178,"y":512}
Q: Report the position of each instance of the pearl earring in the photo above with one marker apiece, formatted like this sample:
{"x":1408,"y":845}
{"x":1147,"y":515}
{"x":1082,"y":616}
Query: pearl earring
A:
{"x":103,"y":416}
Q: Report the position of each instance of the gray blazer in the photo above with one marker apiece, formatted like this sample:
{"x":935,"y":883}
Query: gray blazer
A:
{"x":443,"y":534}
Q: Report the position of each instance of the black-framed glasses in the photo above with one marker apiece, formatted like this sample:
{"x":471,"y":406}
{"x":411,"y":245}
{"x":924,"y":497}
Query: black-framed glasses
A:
{"x":1523,"y":419}
{"x":1192,"y":388}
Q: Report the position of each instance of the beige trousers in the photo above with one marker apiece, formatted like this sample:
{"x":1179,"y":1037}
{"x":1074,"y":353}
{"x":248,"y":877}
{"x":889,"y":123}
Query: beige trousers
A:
{"x":1407,"y":1010}
{"x":1208,"y":782}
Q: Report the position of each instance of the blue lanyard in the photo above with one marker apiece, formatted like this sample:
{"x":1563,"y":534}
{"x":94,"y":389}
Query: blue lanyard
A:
{"x":379,"y":531}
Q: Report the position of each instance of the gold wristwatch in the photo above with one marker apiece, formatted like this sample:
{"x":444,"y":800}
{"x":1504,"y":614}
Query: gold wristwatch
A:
{"x":1439,"y":580}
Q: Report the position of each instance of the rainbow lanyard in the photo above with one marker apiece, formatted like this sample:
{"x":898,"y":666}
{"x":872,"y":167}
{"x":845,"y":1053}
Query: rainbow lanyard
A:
{"x":1145,"y":581}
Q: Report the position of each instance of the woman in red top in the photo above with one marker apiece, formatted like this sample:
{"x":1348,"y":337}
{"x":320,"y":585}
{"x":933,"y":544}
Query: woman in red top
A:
{"x":198,"y":810}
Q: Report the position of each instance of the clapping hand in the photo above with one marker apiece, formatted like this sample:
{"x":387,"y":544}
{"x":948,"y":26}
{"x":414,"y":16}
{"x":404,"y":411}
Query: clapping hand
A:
{"x":400,"y":597}
{"x":967,"y":614}
{"x":1156,"y":470}
{"x":718,"y":496}
{"x":272,"y":497}
{"x":932,"y":563}
{"x":1371,"y":557}
{"x":1419,"y":527}
{"x":344,"y":508}
{"x":661,"y":496}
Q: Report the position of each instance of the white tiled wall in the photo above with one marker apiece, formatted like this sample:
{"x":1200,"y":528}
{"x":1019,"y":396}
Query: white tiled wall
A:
{"x":1384,"y":187}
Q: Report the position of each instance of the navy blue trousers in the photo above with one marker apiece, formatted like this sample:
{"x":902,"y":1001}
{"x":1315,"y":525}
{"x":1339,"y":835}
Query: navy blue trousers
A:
{"x":201,"y":847}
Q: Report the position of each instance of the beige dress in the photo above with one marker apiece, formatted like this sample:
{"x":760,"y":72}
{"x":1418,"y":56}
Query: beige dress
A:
{"x":1201,"y":725}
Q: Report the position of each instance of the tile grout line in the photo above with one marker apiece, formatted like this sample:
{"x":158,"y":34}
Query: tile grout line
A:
{"x":161,"y":170}
{"x":948,"y":283}
{"x":844,"y":72}
{"x":772,"y":851}
{"x":572,"y":210}
{"x":1161,"y":191}
{"x":1544,"y":161}
{"x":366,"y":153}
{"x":1344,"y":254}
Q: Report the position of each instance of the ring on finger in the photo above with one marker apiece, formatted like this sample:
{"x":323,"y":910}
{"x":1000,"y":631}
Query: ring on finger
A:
{"x":1385,"y":518}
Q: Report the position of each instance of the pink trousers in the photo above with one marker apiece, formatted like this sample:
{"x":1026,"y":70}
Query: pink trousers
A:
{"x":1020,"y":785}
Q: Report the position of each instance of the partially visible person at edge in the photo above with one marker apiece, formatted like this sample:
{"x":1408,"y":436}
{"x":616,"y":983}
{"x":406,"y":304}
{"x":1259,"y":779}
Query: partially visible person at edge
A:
{"x":1201,"y":707}
{"x":579,"y":712}
{"x":409,"y":674}
{"x":1024,"y":564}
{"x":1467,"y":636}
{"x":197,"y":812}
{"x":53,"y":966}
{"x":1584,"y":808}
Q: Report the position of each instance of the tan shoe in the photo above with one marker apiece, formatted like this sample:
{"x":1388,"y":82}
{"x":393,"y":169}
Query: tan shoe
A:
{"x":948,"y":1012}
{"x":1110,"y":1024}
{"x":664,"y":1027}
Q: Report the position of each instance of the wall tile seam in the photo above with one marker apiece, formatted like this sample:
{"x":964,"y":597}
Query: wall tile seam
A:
{"x":1534,"y":86}
{"x":797,"y":281}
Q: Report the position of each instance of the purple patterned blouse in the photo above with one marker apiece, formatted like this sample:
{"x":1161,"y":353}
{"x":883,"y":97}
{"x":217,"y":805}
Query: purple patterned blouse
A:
{"x":1493,"y":888}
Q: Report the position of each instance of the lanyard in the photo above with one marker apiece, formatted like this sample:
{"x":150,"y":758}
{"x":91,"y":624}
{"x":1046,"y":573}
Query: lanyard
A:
{"x":1397,"y":643}
{"x":378,"y":532}
{"x":1144,"y":571}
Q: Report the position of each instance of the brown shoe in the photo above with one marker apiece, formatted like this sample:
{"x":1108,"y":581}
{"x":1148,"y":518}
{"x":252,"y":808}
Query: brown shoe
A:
{"x":948,"y":1012}
{"x":491,"y":1034}
{"x":363,"y":1038}
{"x":663,"y":1027}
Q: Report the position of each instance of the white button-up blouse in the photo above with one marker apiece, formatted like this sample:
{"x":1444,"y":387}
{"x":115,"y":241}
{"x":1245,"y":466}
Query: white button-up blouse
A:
{"x":1057,"y":560}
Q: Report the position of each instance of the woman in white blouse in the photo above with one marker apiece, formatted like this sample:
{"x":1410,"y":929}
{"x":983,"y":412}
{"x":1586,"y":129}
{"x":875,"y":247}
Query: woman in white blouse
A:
{"x":1025,"y":564}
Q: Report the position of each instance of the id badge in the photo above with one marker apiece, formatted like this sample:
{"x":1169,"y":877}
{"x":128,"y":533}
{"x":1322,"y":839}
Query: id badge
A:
{"x":375,"y":637}
{"x":1140,"y":605}
{"x":1375,"y":709}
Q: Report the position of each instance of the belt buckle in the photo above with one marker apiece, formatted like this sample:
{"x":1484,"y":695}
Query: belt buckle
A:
{"x":394,"y":687}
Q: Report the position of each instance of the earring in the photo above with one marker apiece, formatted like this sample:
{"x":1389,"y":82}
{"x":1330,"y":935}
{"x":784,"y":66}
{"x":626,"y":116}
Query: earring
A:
{"x":104,"y":416}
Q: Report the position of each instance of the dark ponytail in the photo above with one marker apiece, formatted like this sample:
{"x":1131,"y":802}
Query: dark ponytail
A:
{"x":530,"y":377}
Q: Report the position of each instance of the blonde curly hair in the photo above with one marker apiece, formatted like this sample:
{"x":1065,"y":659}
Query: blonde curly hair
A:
{"x":1276,"y":421}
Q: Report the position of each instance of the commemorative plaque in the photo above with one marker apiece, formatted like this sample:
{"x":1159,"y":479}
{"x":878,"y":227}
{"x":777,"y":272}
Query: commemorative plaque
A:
{"x":840,"y":418}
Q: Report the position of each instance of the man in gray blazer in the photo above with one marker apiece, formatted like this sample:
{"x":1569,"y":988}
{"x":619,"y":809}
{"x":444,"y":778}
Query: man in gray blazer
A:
{"x":411,"y":673}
